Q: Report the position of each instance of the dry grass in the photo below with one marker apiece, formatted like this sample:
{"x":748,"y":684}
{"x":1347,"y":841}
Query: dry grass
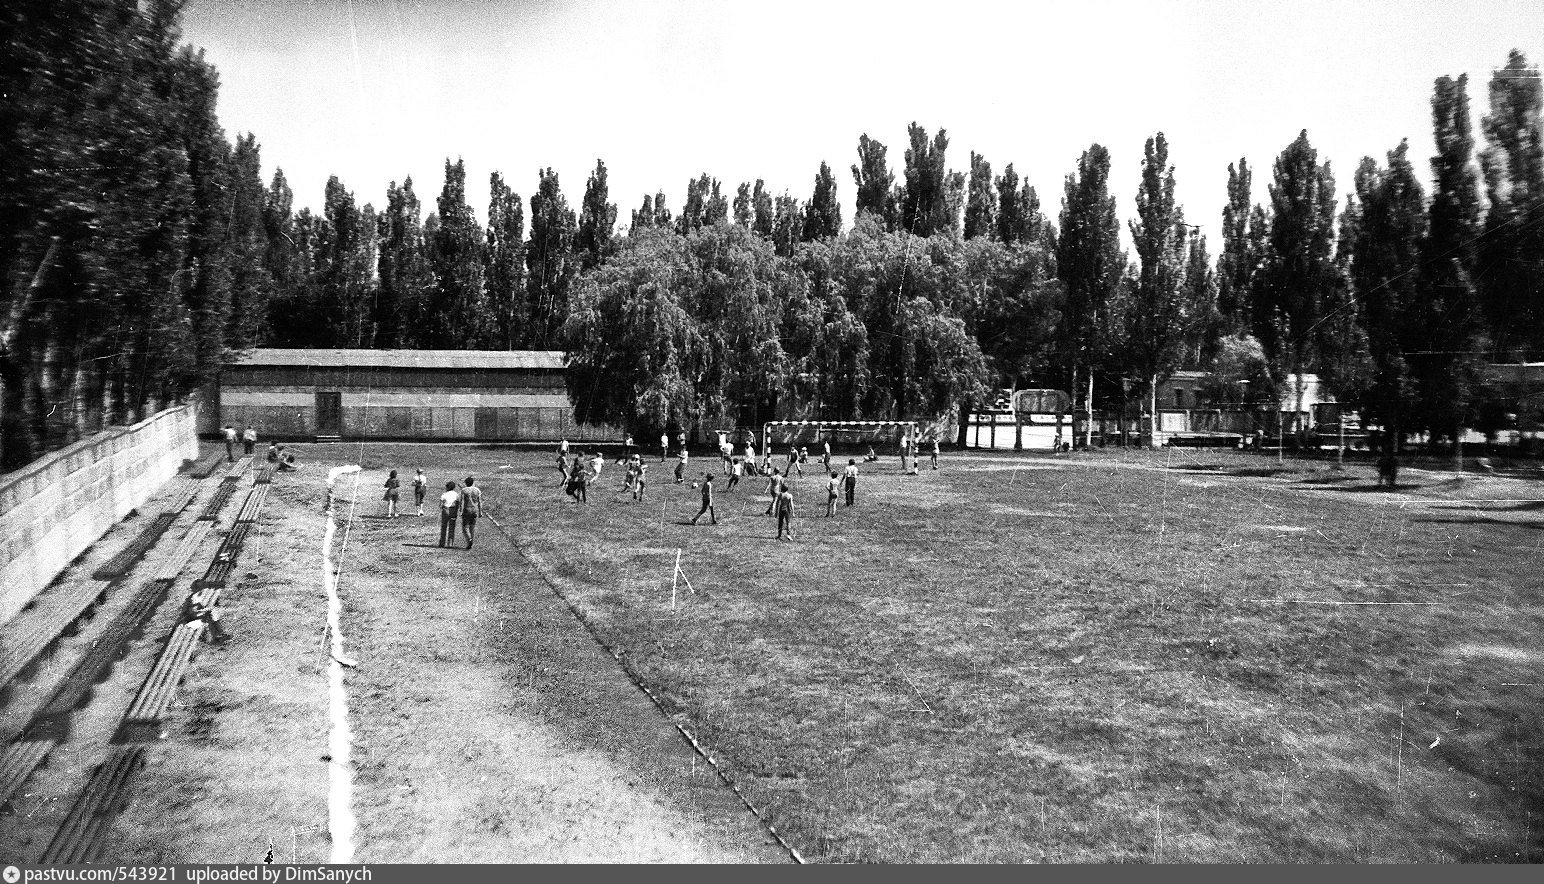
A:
{"x":1113,"y":658}
{"x":1117,"y":657}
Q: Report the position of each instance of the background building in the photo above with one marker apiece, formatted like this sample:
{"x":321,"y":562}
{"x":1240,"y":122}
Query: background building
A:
{"x":399,"y":394}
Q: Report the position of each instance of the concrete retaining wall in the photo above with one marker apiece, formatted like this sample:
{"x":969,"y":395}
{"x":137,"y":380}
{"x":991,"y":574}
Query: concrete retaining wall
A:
{"x":57,"y":506}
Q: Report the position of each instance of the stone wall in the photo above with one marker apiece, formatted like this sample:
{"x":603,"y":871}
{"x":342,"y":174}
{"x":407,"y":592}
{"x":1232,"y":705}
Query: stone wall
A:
{"x":53,"y":509}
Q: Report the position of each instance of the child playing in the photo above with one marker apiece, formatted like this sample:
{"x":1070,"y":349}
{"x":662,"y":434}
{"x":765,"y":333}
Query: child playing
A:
{"x":420,"y":488}
{"x":392,"y":494}
{"x":707,"y":500}
{"x":785,"y":515}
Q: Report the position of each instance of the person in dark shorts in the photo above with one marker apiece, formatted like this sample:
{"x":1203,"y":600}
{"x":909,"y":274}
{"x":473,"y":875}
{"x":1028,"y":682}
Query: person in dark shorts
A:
{"x":249,"y":439}
{"x":420,"y":488}
{"x":850,"y":479}
{"x":393,"y":494}
{"x":775,"y":483}
{"x":471,"y":509}
{"x":639,"y":480}
{"x":831,"y":494}
{"x":735,"y":469}
{"x":707,"y":500}
{"x":785,"y":515}
{"x":450,"y":507}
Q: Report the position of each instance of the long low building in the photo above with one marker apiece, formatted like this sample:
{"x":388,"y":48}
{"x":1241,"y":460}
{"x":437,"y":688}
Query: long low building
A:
{"x":401,"y":394}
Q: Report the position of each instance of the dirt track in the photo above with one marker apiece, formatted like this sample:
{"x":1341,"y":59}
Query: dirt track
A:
{"x":489,"y":726}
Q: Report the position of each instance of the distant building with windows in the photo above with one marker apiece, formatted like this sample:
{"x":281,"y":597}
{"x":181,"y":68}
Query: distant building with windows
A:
{"x":330,"y":394}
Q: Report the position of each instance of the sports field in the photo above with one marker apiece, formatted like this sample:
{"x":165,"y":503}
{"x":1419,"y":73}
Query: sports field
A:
{"x":1165,"y":656}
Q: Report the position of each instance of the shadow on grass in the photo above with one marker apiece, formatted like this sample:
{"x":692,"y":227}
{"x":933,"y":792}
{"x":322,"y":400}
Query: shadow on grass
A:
{"x":1519,"y":506}
{"x":1327,"y":480}
{"x":423,"y":545}
{"x":1374,"y":489}
{"x":1261,"y":472}
{"x":1481,"y":520}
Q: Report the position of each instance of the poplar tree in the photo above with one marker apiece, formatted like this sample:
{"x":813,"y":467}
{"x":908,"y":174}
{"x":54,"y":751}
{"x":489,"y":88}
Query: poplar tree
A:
{"x":874,"y":182}
{"x":597,"y":220}
{"x":980,"y":204}
{"x":504,"y":256}
{"x":459,"y":317}
{"x":1299,"y":264}
{"x":550,"y":261}
{"x":1090,"y":264}
{"x":1512,"y":250}
{"x":402,"y":268}
{"x":823,"y":214}
{"x":1161,"y":320}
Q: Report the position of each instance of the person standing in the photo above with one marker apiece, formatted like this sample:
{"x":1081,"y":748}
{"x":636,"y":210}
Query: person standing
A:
{"x":680,"y":467}
{"x":249,"y":439}
{"x":935,"y":452}
{"x":827,"y":457}
{"x":707,"y":500}
{"x":831,"y":495}
{"x":230,"y":443}
{"x":774,"y":487}
{"x":563,"y":470}
{"x":640,"y":479}
{"x":735,"y":469}
{"x":785,"y":515}
{"x":420,"y":488}
{"x":471,"y":508}
{"x":793,"y":461}
{"x":627,"y":448}
{"x":850,"y":479}
{"x":664,"y":446}
{"x":393,"y":494}
{"x":450,"y":507}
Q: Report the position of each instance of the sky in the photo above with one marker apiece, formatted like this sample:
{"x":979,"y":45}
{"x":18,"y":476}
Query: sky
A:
{"x":374,"y":91}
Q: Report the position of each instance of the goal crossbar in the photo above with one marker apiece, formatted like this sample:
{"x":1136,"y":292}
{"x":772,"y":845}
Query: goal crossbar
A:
{"x":909,"y":426}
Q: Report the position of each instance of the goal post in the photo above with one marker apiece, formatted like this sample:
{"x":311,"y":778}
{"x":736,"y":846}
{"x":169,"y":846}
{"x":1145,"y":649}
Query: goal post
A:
{"x":793,"y":432}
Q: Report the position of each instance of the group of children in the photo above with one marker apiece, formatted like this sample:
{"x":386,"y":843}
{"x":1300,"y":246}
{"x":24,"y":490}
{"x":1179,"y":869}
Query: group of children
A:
{"x":584,"y":470}
{"x":463,"y":502}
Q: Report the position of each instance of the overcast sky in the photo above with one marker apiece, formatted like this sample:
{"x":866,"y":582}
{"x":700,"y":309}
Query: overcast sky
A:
{"x":376,"y":90}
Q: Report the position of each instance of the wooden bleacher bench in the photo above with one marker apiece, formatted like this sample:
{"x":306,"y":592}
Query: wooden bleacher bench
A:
{"x":17,"y":762}
{"x":130,"y":555}
{"x":265,"y":475}
{"x":217,"y":500}
{"x":253,"y":504}
{"x":240,"y":467}
{"x":53,"y":719}
{"x":225,"y":557}
{"x":143,"y":720}
{"x":172,"y":564}
{"x":79,"y":839}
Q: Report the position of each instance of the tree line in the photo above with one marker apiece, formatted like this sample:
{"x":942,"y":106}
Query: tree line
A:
{"x":142,"y":249}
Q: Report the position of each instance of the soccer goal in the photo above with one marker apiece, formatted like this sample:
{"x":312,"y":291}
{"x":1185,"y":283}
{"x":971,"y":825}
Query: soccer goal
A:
{"x":781,"y":434}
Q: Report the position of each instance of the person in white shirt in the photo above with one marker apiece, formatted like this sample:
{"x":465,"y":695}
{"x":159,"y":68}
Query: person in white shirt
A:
{"x":450,"y":507}
{"x":850,"y":479}
{"x":230,"y":443}
{"x":249,"y":439}
{"x":664,"y":447}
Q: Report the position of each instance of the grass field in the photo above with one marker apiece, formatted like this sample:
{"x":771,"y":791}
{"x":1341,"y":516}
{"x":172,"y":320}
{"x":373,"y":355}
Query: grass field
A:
{"x":1114,"y":657}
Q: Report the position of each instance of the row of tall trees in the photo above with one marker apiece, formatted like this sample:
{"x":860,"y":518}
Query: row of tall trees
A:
{"x":132,"y":234}
{"x":141,"y":248}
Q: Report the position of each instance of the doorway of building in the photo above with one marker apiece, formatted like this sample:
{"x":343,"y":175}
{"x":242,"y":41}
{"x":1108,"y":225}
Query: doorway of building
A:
{"x":329,"y":414}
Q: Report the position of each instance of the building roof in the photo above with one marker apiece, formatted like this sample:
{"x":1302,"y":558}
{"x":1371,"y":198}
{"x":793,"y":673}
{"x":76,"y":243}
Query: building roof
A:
{"x":287,"y":357}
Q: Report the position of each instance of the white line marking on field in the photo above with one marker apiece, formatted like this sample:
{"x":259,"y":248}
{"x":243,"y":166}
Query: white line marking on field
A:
{"x":340,"y":815}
